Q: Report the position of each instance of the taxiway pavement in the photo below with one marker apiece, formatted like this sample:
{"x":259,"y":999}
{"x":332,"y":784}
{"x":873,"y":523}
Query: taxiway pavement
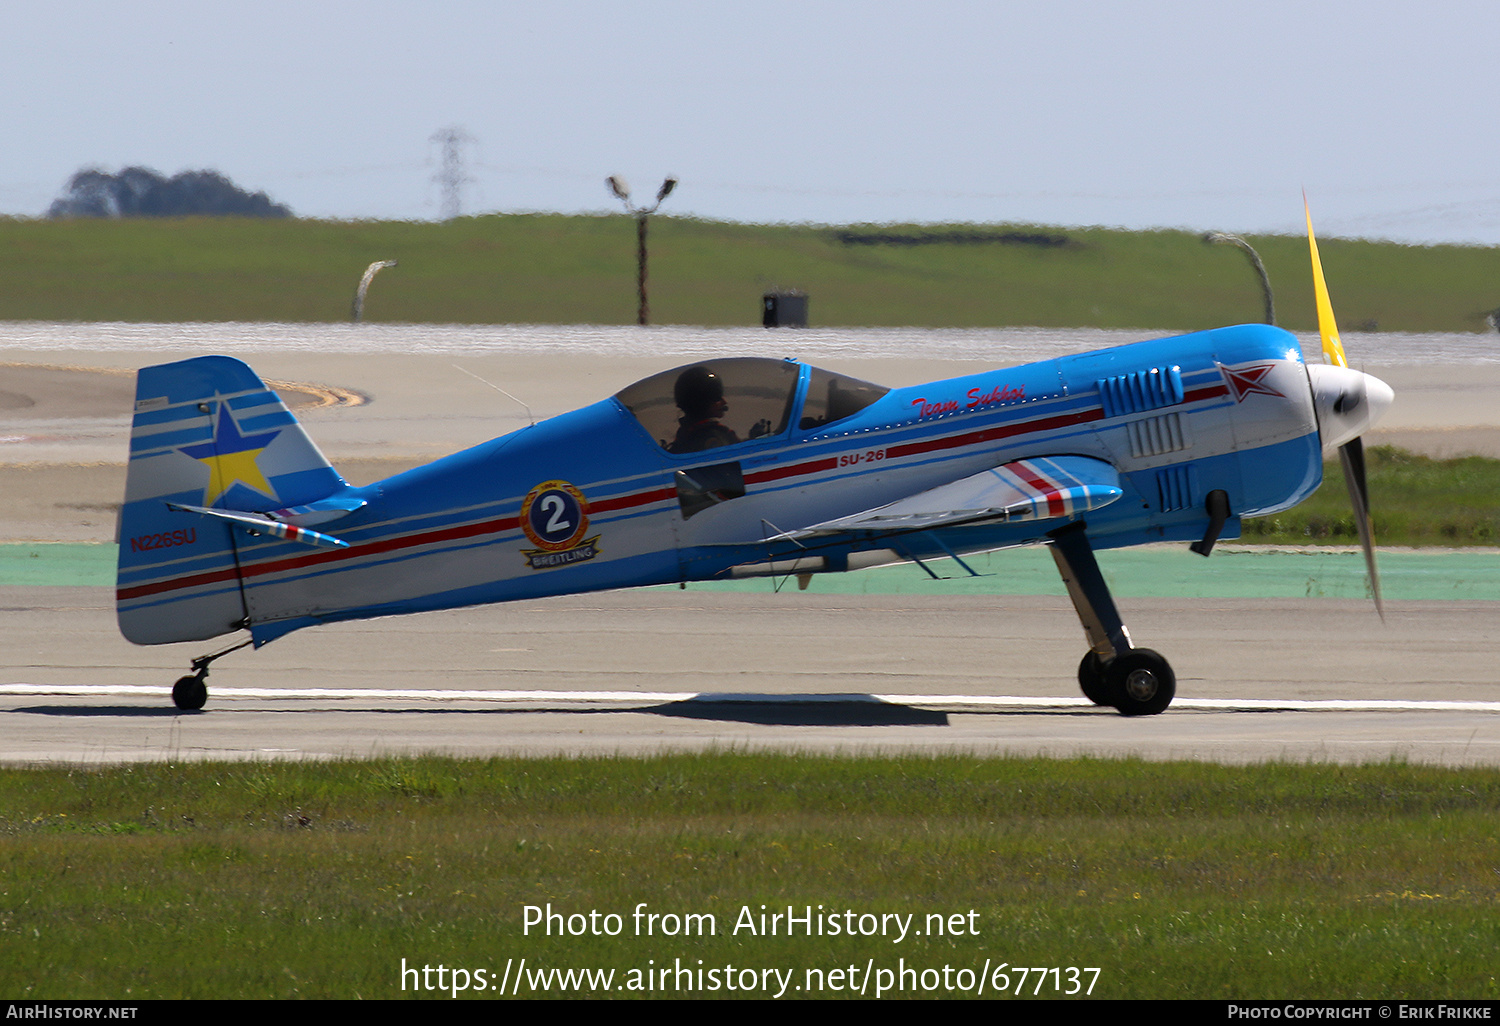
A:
{"x":788,"y":671}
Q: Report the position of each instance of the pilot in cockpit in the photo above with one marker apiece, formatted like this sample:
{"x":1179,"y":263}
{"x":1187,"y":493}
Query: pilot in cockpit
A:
{"x":699,"y":394}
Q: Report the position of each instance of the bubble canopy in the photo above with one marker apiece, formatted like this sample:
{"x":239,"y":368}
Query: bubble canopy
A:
{"x":721,"y":402}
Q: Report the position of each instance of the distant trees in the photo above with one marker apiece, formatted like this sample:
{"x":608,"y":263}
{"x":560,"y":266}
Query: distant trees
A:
{"x":142,"y":192}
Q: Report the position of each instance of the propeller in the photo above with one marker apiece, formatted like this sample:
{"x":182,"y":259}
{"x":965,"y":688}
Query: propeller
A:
{"x":1348,"y":403}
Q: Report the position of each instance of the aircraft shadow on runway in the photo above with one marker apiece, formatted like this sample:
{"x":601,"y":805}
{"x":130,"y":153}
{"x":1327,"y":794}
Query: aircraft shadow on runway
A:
{"x":837,"y":710}
{"x":103,"y":710}
{"x":801,"y":711}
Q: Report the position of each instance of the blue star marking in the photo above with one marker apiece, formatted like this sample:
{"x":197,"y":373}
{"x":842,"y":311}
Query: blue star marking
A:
{"x":230,"y":458}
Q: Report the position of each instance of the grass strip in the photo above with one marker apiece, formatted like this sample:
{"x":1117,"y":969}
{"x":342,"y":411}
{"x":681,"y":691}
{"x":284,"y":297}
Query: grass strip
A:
{"x":557,"y":269}
{"x":1174,"y":879}
{"x":1414,"y":500}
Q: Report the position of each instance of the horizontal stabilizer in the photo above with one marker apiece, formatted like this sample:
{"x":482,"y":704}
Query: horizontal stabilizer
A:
{"x":1047,"y":488}
{"x":256,"y":524}
{"x":320,"y":512}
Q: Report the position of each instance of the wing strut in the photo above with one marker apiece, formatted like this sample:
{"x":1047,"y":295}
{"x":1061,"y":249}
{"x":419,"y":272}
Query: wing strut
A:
{"x":905,"y":553}
{"x":953,"y":555}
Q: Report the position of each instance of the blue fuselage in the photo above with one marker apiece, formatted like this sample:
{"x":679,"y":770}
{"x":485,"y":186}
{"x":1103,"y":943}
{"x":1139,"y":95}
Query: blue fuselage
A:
{"x":590,"y":500}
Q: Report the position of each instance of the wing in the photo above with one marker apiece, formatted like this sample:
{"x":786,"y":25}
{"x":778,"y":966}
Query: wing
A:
{"x":1033,"y":489}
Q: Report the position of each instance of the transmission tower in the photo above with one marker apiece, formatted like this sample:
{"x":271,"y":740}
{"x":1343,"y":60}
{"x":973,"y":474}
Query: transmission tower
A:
{"x":452,"y":177}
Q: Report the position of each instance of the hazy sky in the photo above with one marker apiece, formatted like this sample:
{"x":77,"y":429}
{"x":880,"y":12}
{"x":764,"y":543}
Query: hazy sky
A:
{"x":1196,"y":114}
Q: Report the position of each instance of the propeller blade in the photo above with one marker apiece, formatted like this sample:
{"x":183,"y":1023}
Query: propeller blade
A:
{"x":1352,"y":452}
{"x":1333,"y":349}
{"x":1352,"y":456}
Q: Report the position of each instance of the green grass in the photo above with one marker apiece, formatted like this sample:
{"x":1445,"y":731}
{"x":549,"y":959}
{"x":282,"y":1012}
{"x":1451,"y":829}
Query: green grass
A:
{"x":1175,"y":880}
{"x":1414,"y":500}
{"x":544,"y":268}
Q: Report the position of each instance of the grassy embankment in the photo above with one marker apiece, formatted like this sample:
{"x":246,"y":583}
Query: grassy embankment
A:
{"x":1414,"y":501}
{"x":559,"y":269}
{"x":1175,"y":880}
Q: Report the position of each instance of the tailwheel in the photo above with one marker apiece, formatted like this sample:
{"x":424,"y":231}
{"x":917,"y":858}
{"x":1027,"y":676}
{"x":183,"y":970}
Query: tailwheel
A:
{"x":190,"y":693}
{"x":1141,"y":682}
{"x":1093,"y":680}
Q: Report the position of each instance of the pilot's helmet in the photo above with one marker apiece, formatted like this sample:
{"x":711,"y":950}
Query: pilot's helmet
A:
{"x":697,"y":390}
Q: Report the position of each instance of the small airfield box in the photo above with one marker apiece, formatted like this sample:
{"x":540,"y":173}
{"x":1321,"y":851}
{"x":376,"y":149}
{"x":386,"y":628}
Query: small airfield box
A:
{"x":784,"y":310}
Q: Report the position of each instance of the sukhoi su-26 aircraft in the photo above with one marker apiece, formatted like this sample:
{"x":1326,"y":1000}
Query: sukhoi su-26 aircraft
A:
{"x":233,"y":520}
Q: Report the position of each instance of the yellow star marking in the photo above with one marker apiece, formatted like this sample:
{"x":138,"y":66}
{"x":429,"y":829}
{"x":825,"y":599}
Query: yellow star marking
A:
{"x":227,"y":469}
{"x":230,"y":458}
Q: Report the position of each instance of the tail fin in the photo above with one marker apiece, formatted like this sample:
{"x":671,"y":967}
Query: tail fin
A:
{"x":207,"y":433}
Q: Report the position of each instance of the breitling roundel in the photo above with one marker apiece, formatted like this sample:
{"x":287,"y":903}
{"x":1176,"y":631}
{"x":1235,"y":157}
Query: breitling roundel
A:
{"x":553,"y":517}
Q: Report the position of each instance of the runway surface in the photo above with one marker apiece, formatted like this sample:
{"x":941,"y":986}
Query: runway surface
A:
{"x":658,"y":670}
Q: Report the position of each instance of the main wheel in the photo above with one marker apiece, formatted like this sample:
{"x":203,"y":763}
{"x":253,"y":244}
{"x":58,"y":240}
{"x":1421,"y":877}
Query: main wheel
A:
{"x":1093,"y":679}
{"x":190,"y":693}
{"x":1141,"y":683}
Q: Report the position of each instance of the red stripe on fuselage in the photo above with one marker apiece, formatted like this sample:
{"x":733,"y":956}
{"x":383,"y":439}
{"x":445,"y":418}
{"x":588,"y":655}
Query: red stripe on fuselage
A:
{"x":174,"y":583}
{"x":795,"y":470}
{"x":991,"y":434}
{"x":317,"y":558}
{"x":627,"y":501}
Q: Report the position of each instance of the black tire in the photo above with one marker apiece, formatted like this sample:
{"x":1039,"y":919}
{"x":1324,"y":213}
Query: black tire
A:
{"x":190,"y":693}
{"x":1093,"y":679}
{"x":1141,"y":682}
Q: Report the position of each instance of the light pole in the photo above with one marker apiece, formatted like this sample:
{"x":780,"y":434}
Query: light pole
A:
{"x":358,"y":311}
{"x":1265,"y":282}
{"x":622,"y":192}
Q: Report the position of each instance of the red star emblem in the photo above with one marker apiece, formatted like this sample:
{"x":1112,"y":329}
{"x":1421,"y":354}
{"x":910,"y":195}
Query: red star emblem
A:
{"x":1245,"y":381}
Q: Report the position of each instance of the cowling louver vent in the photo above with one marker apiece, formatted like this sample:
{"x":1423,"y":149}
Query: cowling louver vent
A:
{"x":1152,"y":436}
{"x":1177,"y":487}
{"x":1140,"y":391}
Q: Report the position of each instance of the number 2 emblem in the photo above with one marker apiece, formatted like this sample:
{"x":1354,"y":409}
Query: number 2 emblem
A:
{"x":553,"y":516}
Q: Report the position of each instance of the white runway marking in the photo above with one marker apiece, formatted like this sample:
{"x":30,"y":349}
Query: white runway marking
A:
{"x":639,"y":699}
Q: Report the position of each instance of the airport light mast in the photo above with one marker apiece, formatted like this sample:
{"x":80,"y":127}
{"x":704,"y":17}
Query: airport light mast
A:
{"x":622,"y":192}
{"x":1265,"y":282}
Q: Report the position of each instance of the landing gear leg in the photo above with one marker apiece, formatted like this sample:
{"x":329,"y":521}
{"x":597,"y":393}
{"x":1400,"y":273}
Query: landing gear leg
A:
{"x":1136,"y":681}
{"x":191,"y":692}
